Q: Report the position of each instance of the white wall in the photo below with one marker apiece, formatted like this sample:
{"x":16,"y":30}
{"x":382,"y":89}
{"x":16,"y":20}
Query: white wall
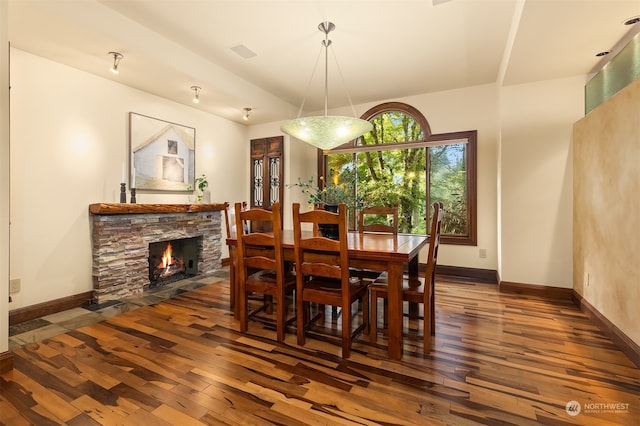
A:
{"x":536,"y":180}
{"x":4,"y":179}
{"x":69,"y":137}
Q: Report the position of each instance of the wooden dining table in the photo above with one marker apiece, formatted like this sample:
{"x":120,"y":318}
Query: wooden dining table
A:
{"x":379,"y":252}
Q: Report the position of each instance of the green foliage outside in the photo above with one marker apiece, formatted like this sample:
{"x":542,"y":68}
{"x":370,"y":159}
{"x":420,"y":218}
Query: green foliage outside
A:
{"x":399,"y":176}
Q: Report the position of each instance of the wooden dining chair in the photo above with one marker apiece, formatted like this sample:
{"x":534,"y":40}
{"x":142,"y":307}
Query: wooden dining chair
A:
{"x":376,"y":219}
{"x":414,"y":290}
{"x":322,"y":274}
{"x":261,"y":265}
{"x":230,"y":224}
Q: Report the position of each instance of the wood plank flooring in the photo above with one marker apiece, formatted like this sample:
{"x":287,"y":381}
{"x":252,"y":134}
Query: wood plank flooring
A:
{"x":498,"y":359}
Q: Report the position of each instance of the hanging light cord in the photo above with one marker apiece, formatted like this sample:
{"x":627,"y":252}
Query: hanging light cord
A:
{"x":309,"y":84}
{"x":344,"y":85}
{"x":325,"y":45}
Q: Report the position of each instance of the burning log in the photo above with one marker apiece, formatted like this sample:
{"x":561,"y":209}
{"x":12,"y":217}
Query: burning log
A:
{"x":166,"y":266}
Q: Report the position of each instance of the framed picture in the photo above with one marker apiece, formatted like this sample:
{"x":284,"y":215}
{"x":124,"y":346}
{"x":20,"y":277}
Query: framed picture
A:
{"x":162,"y":154}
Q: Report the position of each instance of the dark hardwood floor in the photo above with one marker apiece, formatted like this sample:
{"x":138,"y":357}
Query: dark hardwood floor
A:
{"x":498,"y":359}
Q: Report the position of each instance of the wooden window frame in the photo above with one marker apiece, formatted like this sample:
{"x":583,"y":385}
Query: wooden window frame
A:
{"x":470,"y":136}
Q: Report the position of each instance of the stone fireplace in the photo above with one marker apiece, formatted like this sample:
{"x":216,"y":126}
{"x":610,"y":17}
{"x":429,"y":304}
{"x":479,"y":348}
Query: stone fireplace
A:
{"x":123,"y":236}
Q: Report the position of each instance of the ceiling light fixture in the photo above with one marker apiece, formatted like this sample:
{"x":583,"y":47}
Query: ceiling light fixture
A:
{"x":196,"y":94}
{"x":247,"y":113}
{"x":116,"y":61}
{"x":328,"y":131}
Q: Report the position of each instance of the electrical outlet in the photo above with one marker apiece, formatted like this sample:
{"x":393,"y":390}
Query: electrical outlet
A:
{"x":483,"y":253}
{"x":14,"y":285}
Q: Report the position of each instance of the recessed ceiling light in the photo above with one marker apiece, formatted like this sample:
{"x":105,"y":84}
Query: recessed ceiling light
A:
{"x":243,"y":51}
{"x":632,"y":21}
{"x":603,"y":53}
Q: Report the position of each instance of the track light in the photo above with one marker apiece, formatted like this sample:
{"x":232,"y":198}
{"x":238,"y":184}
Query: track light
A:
{"x":247,"y":113}
{"x":116,"y":61}
{"x":196,"y":94}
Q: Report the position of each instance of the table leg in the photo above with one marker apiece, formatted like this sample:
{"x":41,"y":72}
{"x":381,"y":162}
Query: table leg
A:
{"x":394,"y":309}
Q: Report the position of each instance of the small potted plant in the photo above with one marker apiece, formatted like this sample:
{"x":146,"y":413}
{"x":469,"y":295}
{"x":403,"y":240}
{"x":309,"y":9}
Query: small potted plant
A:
{"x":201,"y":186}
{"x":332,"y":193}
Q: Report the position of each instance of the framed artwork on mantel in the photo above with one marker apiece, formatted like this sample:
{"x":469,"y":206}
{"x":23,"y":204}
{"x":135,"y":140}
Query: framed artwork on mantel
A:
{"x":162,"y":154}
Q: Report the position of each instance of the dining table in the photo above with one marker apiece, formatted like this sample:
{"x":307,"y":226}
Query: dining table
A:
{"x":390,"y":253}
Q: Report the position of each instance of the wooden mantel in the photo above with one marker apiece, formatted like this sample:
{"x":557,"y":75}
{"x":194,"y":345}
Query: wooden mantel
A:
{"x":123,"y":208}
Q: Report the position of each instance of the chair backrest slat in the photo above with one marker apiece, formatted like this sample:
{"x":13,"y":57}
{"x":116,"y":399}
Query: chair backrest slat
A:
{"x":388,"y":212}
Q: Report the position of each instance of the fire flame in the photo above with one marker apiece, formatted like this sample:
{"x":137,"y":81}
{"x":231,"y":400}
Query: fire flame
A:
{"x":167,"y":256}
{"x":170,"y":264}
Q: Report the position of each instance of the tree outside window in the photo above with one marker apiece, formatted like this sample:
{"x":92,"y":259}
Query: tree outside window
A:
{"x":400,"y":163}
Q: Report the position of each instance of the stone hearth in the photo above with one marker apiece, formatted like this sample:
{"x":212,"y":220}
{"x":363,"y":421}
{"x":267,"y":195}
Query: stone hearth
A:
{"x":121,"y":234}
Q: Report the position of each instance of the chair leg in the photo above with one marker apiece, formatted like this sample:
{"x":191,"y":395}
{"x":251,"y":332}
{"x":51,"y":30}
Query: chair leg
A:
{"x":414,"y":310}
{"x":427,"y":343}
{"x":232,"y":283}
{"x":234,"y":291}
{"x":373,"y":317}
{"x":385,"y":314}
{"x":281,"y":314}
{"x":268,"y":304}
{"x":433,"y":308}
{"x":346,"y":331}
{"x":365,"y":312}
{"x":242,"y":308}
{"x":301,"y":319}
{"x":428,"y":322}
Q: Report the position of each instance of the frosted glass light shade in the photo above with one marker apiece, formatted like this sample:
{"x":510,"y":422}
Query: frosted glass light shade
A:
{"x":328,"y":131}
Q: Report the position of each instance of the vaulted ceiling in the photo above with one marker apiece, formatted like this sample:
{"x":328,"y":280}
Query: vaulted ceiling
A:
{"x":381,"y":50}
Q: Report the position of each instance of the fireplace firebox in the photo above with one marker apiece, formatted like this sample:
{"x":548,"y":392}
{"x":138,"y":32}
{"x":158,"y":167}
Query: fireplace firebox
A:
{"x":173,"y":260}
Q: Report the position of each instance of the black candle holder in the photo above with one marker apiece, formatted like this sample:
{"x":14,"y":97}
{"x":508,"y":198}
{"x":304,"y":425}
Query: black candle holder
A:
{"x":123,"y":192}
{"x":133,"y":195}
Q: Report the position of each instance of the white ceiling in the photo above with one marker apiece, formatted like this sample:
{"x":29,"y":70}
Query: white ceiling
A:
{"x":384,"y":49}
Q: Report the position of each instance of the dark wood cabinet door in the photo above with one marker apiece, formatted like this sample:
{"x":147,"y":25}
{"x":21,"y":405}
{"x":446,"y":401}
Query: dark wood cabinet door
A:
{"x":267,"y":173}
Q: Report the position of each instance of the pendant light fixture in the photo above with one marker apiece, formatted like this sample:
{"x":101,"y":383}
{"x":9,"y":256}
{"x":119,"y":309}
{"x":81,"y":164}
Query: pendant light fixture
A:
{"x":327,"y":131}
{"x":247,"y":113}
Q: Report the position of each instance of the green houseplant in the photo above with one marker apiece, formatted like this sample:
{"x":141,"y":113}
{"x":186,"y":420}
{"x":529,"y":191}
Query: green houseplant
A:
{"x":333,"y":191}
{"x":201,"y":186}
{"x":340,"y":188}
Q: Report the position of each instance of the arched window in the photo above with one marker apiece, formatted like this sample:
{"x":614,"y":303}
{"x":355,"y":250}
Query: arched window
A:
{"x":401,"y":162}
